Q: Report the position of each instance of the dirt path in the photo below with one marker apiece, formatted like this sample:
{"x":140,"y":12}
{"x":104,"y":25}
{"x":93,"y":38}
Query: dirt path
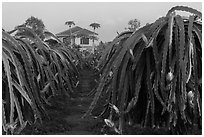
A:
{"x":88,"y":125}
{"x":66,"y":114}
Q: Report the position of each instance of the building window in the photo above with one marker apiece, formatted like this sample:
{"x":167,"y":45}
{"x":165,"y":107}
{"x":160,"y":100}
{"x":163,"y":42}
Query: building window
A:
{"x":84,"y":41}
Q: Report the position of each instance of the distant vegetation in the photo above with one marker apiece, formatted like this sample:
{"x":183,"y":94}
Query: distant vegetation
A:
{"x":134,"y":24}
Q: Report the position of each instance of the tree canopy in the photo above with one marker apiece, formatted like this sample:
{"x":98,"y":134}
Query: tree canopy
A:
{"x":69,"y":23}
{"x":33,"y":23}
{"x":36,"y":25}
{"x":133,"y":24}
{"x":95,"y":25}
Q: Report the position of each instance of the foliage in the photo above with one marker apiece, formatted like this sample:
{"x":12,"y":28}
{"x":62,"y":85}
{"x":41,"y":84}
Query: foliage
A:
{"x":69,"y":23}
{"x":36,"y":25}
{"x":152,"y":76}
{"x":32,"y":73}
{"x":95,"y":25}
{"x":134,"y":24}
{"x":92,"y":60}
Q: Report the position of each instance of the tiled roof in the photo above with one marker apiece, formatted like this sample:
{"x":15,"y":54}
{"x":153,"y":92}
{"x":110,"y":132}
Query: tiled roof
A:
{"x":77,"y":31}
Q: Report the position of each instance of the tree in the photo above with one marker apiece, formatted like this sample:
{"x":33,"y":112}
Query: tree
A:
{"x":94,"y":26}
{"x":70,"y":23}
{"x":133,"y":24}
{"x":36,"y":25}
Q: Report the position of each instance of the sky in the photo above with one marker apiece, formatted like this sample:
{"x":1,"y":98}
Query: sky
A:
{"x":112,"y":16}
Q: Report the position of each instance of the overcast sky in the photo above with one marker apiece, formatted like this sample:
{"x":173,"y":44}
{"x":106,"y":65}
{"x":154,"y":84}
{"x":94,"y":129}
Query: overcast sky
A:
{"x":113,"y":17}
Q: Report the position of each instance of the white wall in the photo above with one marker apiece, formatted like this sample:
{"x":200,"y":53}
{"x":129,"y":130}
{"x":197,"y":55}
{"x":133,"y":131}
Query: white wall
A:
{"x":86,"y":46}
{"x":77,"y":41}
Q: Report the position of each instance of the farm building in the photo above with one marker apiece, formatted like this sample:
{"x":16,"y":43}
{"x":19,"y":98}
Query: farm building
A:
{"x":79,"y":36}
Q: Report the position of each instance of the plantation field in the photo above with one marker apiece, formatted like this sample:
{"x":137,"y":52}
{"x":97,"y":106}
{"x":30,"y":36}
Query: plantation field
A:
{"x":66,"y":115}
{"x":147,"y":81}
